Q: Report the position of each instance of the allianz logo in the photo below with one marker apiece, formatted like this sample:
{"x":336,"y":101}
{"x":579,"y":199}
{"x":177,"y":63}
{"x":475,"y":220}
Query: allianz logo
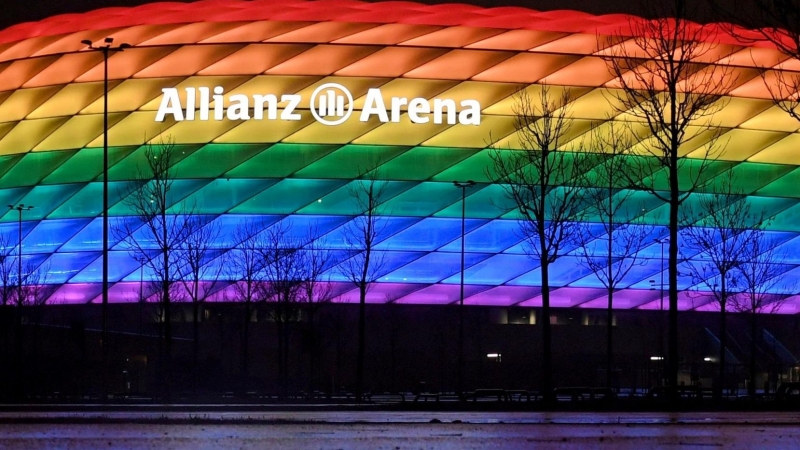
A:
{"x":330,"y":104}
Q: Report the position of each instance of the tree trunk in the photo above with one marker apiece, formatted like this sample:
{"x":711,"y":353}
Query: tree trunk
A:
{"x":195,"y":336}
{"x":362,"y":292}
{"x":161,"y":352}
{"x":723,"y":340}
{"x":339,"y":352}
{"x":312,"y":353}
{"x":752,"y":388}
{"x":165,"y":288}
{"x":245,"y":346}
{"x":609,"y":342}
{"x":610,"y":282}
{"x":547,"y":357}
{"x":285,"y":358}
{"x":281,"y":377}
{"x":19,"y":357}
{"x":167,"y":360}
{"x":33,"y":352}
{"x":672,"y":359}
{"x":393,"y":353}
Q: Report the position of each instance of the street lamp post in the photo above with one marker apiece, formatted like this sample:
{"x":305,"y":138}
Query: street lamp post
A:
{"x":661,"y":346}
{"x":661,"y":242}
{"x":463,"y":186}
{"x":105,"y":48}
{"x":20,"y":208}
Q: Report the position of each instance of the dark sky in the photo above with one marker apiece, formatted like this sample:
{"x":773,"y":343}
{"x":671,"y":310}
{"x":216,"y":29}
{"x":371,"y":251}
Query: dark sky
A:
{"x":17,"y":11}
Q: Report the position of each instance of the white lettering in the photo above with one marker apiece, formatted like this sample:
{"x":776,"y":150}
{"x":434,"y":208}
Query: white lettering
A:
{"x":288,"y":112}
{"x":170,"y":104}
{"x":332,"y":100}
{"x":219,"y":103}
{"x":239,"y":108}
{"x":204,"y":101}
{"x":190,"y":99}
{"x":416,"y":107}
{"x":471,"y":113}
{"x":373,"y":104}
{"x":438,"y":109}
{"x":397,"y":102}
{"x":258,"y":106}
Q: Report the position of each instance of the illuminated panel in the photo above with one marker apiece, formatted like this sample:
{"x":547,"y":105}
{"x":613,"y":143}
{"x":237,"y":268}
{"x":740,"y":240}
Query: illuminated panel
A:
{"x":301,"y":172}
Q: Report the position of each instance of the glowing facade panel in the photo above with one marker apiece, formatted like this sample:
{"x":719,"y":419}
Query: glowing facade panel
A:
{"x":298,"y":171}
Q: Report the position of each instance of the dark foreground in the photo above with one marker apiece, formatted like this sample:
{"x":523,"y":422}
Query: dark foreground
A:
{"x":382,"y":430}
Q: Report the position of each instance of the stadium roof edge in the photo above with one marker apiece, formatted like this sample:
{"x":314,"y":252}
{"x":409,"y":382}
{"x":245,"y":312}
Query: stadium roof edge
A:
{"x":452,"y":14}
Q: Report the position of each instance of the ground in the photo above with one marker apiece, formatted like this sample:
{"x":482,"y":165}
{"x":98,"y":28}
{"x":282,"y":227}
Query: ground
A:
{"x":389,"y":430}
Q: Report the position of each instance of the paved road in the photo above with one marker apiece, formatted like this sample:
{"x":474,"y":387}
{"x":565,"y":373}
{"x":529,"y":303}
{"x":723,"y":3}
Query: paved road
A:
{"x":388,"y":430}
{"x":151,"y":413}
{"x":397,"y":436}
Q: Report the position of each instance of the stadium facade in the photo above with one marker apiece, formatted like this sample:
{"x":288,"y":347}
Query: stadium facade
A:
{"x":276,"y":108}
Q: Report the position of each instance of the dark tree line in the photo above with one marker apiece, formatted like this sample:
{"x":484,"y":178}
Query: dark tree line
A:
{"x":271,"y":267}
{"x":665,"y":92}
{"x":23,"y":290}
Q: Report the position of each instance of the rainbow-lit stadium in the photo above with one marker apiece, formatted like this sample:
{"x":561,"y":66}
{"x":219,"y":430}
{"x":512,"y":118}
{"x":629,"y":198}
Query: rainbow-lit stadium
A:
{"x":276,"y":161}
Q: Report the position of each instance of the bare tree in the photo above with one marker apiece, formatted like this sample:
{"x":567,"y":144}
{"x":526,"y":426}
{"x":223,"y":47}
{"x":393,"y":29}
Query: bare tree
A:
{"x":621,"y":236}
{"x":316,"y":291}
{"x":35,"y":293}
{"x":198,"y":277}
{"x":30,"y":293}
{"x":395,"y":318}
{"x":543,"y":183}
{"x":8,"y":286}
{"x":8,"y":269}
{"x":784,"y":88}
{"x":336,"y":332}
{"x":361,"y":235}
{"x":33,"y":289}
{"x":666,"y":84}
{"x":760,"y":272}
{"x":284,"y":274}
{"x":246,"y":270}
{"x":155,"y":241}
{"x":718,"y":239}
{"x":779,"y":24}
{"x":773,"y":21}
{"x":776,"y":23}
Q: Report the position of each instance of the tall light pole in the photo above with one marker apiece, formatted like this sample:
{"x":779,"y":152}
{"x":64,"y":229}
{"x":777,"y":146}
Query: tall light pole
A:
{"x":106,"y":48}
{"x":661,"y":319}
{"x":463,"y":186}
{"x":661,"y":242}
{"x":20,"y":208}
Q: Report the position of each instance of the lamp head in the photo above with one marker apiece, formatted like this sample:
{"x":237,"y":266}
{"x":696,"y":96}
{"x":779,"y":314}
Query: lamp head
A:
{"x":465,"y":184}
{"x":109,"y":40}
{"x":86,"y":42}
{"x":124,"y":46}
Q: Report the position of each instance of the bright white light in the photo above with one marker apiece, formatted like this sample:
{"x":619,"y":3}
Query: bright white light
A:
{"x":707,"y":359}
{"x":656,"y":358}
{"x":493,"y":355}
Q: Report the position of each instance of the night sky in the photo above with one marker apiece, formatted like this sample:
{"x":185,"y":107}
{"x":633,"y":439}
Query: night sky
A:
{"x":18,"y":11}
